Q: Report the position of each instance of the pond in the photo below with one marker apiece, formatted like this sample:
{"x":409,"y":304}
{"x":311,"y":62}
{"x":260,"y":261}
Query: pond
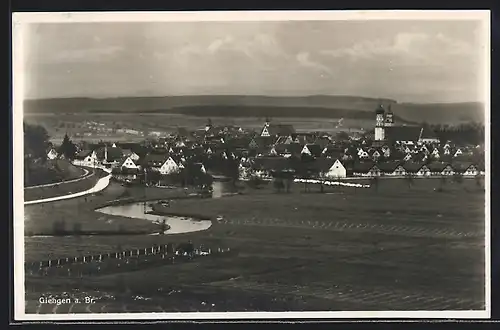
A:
{"x":178,"y":225}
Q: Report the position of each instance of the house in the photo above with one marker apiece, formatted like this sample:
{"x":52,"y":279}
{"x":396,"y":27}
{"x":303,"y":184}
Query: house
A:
{"x":388,"y":168}
{"x":417,"y":169}
{"x":407,"y":157}
{"x":365,"y":169}
{"x":171,"y":166}
{"x":129,"y":153}
{"x":52,"y":154}
{"x":276,"y":130}
{"x":154,"y":161}
{"x":376,"y":155}
{"x":465,"y":168}
{"x":128,"y":163}
{"x":458,"y":152}
{"x":86,"y":158}
{"x":313,"y":150}
{"x":125,"y":174}
{"x":109,"y":155}
{"x":331,"y":169}
{"x":440,"y":168}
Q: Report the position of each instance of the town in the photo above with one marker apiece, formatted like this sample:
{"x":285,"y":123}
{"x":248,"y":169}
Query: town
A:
{"x":190,"y":157}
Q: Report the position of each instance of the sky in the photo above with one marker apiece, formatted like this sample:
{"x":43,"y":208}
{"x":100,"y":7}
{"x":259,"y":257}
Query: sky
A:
{"x":409,"y":61}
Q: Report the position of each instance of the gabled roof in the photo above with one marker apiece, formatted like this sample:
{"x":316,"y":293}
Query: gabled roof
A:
{"x":82,"y":154}
{"x":388,"y":167}
{"x":413,"y":167}
{"x":461,"y":166}
{"x":314,"y":149}
{"x":154,"y":159}
{"x":437,"y":166}
{"x":363,"y":167}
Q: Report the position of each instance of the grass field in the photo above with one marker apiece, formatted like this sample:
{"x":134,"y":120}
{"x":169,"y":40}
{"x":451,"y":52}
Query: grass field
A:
{"x":393,"y":248}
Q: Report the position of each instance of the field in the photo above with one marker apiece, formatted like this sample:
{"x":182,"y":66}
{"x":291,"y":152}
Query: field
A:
{"x":392,"y":248}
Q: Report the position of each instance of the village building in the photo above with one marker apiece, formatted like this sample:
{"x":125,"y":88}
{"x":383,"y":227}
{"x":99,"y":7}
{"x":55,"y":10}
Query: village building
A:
{"x":331,"y":169}
{"x":276,"y":130}
{"x":52,"y":154}
{"x":87,"y":158}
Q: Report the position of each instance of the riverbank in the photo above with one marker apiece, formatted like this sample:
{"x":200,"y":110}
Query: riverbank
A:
{"x":79,"y":214}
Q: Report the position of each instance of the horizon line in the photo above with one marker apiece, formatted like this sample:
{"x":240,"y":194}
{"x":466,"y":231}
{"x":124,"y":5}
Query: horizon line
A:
{"x":245,"y":95}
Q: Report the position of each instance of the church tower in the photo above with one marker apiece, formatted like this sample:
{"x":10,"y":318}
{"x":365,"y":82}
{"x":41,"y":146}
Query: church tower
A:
{"x":380,"y":124}
{"x":208,"y":127}
{"x":389,"y":118}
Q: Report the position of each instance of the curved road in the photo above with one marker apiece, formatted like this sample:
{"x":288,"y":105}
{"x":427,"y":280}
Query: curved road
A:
{"x":100,"y":185}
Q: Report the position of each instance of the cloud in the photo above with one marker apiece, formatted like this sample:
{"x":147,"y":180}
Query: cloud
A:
{"x":407,"y":47}
{"x":303,"y":58}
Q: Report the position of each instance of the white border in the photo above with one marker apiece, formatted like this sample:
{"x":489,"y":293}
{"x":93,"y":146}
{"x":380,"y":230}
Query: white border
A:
{"x":21,"y":19}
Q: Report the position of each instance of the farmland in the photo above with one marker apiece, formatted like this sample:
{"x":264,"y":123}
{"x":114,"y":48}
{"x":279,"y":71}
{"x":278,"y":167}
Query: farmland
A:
{"x":395,"y":247}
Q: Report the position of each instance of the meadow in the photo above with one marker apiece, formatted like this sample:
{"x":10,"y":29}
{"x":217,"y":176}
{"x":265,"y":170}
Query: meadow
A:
{"x":392,"y":248}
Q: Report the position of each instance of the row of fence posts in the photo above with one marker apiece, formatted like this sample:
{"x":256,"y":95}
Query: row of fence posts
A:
{"x":154,"y":250}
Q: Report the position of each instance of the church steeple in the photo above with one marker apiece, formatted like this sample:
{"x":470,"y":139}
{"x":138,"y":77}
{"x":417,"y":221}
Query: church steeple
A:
{"x":389,"y":118}
{"x":209,"y":125}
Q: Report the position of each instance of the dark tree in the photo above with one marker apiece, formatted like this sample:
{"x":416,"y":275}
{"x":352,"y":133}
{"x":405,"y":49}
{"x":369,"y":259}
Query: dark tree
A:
{"x":278,"y":184}
{"x":163,"y":226}
{"x":77,"y":228}
{"x":410,"y":180}
{"x":443,"y":181}
{"x":375,"y":182}
{"x":36,"y":141}
{"x":254,"y":182}
{"x":67,"y":148}
{"x":458,"y":178}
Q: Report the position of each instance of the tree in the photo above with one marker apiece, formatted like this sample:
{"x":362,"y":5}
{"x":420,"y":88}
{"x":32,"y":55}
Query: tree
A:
{"x":163,"y":227}
{"x":410,"y":180}
{"x":278,"y":184}
{"x":375,"y":182}
{"x":36,"y":141}
{"x":479,"y":181}
{"x":67,"y":148}
{"x":443,"y":181}
{"x":254,"y":182}
{"x":458,"y":178}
